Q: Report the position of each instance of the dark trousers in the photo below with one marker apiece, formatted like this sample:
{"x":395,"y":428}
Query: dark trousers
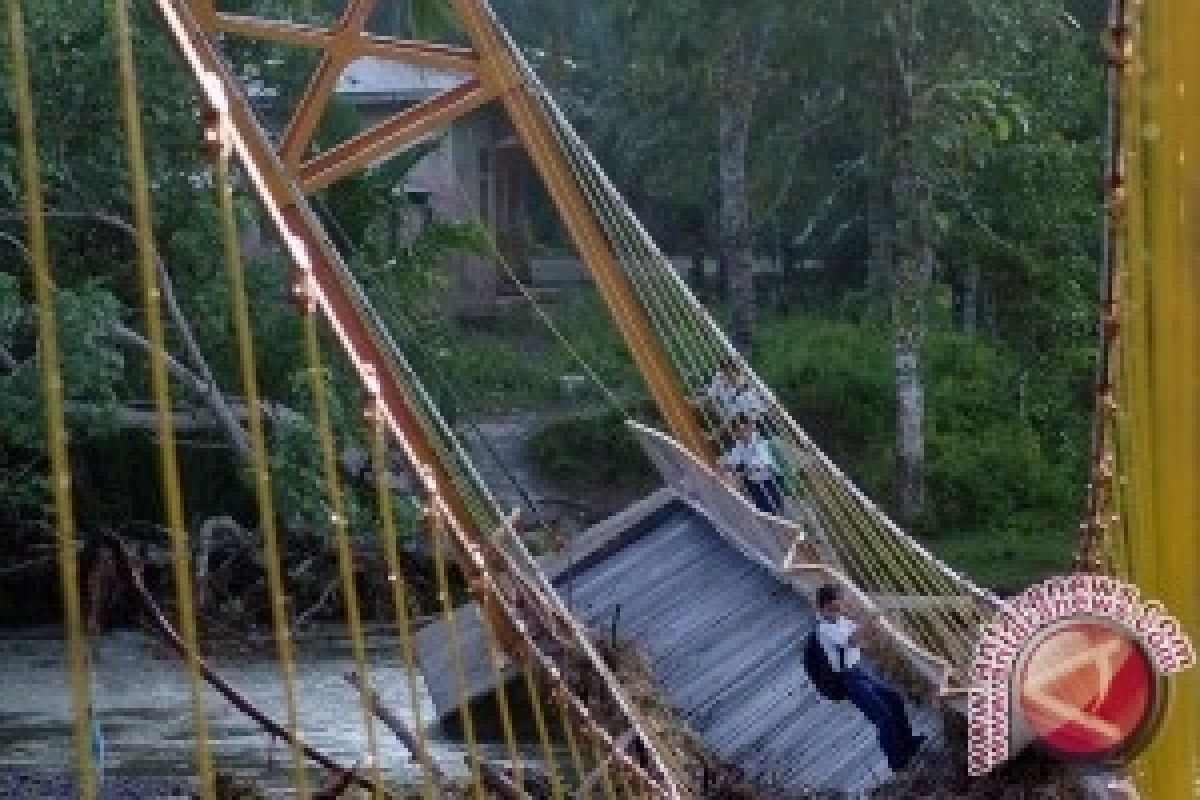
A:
{"x":765,"y":495}
{"x":884,"y":707}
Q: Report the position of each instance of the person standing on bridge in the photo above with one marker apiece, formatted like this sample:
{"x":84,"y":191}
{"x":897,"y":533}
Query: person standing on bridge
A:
{"x":841,"y":638}
{"x":750,"y":459}
{"x":731,"y":394}
{"x":722,"y":394}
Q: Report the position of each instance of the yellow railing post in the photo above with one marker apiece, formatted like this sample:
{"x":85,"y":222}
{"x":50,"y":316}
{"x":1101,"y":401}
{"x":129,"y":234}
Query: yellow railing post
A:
{"x":1158,"y":377}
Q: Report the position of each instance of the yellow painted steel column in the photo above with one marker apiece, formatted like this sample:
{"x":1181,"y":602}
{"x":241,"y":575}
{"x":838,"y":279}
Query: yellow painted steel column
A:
{"x":500,"y":73}
{"x":1160,"y":355}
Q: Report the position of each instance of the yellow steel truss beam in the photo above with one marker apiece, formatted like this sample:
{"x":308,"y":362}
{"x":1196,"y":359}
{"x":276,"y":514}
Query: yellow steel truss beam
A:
{"x":388,"y":48}
{"x":497,"y":75}
{"x":338,"y":54}
{"x":499,"y":72}
{"x":422,"y":54}
{"x":343,"y":43}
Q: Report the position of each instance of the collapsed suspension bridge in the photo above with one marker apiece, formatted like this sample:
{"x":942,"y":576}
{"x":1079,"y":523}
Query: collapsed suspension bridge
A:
{"x":523,"y":634}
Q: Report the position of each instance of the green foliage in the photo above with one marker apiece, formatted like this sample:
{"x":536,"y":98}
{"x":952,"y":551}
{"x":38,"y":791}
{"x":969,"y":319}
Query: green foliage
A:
{"x":591,"y":450}
{"x":515,"y":363}
{"x":296,"y":457}
{"x":995,"y":475}
{"x":994,"y":472}
{"x":835,"y":378}
{"x":91,"y":369}
{"x":84,"y":167}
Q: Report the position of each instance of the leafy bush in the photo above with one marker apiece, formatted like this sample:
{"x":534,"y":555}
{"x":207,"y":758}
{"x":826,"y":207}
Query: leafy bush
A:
{"x":590,"y":449}
{"x":517,"y":364}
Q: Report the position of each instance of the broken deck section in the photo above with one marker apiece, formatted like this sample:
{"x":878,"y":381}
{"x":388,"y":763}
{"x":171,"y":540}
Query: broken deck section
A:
{"x":696,"y":589}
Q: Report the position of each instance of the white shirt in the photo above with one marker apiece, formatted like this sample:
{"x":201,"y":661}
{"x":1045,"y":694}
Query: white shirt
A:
{"x":724,"y":397}
{"x":749,"y":402}
{"x":753,"y":456}
{"x":834,"y":635}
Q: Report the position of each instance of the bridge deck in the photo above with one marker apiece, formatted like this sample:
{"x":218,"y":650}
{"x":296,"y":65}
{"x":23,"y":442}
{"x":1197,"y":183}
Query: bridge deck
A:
{"x":721,"y":634}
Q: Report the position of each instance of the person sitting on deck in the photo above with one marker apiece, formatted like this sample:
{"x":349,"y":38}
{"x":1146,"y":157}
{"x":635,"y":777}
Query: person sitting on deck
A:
{"x":750,"y":459}
{"x":841,"y":638}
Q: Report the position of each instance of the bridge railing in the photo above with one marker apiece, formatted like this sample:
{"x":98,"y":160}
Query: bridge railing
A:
{"x":784,"y":548}
{"x":765,"y":538}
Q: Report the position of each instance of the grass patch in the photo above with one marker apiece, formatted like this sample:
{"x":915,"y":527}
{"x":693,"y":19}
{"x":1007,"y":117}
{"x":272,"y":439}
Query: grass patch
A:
{"x":587,"y":450}
{"x":515,"y":363}
{"x":1011,"y":562}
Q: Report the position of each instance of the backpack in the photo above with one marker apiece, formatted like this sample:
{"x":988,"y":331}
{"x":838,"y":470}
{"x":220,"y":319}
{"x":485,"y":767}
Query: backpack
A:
{"x":828,"y":682}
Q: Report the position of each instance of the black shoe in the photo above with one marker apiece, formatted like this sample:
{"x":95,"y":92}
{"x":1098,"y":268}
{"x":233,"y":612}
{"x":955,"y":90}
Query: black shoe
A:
{"x":916,"y":744}
{"x":914,"y":748}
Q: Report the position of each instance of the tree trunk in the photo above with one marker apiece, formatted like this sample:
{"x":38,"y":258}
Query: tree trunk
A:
{"x":739,"y":65}
{"x":911,"y":282}
{"x":970,"y":300}
{"x":910,"y":411}
{"x":735,"y":219}
{"x":881,"y":229}
{"x":912,"y":273}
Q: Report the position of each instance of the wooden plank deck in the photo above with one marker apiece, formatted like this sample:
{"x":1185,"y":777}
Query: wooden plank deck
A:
{"x":722,"y":635}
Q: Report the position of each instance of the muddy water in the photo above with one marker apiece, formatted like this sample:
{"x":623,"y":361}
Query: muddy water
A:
{"x":141,"y":697}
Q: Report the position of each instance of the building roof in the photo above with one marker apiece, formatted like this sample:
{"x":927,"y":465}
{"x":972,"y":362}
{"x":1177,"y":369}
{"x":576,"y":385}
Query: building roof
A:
{"x":373,"y":80}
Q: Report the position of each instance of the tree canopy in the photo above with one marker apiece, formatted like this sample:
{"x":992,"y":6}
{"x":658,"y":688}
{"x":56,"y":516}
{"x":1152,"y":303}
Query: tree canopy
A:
{"x":925,"y":171}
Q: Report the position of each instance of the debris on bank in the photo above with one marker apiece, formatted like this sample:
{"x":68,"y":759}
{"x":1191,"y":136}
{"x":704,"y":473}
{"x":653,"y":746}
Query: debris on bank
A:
{"x":938,"y":774}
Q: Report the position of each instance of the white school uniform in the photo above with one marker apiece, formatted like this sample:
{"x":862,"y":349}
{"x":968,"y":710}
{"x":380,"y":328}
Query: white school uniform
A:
{"x":724,"y":397}
{"x":752,"y":457}
{"x":834,"y":635}
{"x":750,"y":402}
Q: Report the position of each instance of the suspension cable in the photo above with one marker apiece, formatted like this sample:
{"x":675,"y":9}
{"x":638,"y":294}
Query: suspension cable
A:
{"x":499,"y":679}
{"x":539,"y":720}
{"x":450,"y":620}
{"x":388,"y":533}
{"x":52,"y":385}
{"x":143,"y":224}
{"x":340,"y":524}
{"x":260,"y":463}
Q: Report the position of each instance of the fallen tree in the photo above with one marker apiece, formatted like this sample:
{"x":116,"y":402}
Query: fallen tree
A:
{"x":129,"y":572}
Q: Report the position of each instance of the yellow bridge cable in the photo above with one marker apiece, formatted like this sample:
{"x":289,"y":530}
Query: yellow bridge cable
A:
{"x":340,"y":525}
{"x":260,"y":464}
{"x":498,"y":679}
{"x":539,"y":720}
{"x":450,"y":620}
{"x":52,"y":384}
{"x":568,"y":726}
{"x":399,"y":590}
{"x":143,"y":223}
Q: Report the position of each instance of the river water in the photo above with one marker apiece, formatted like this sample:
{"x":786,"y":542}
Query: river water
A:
{"x":141,"y":697}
